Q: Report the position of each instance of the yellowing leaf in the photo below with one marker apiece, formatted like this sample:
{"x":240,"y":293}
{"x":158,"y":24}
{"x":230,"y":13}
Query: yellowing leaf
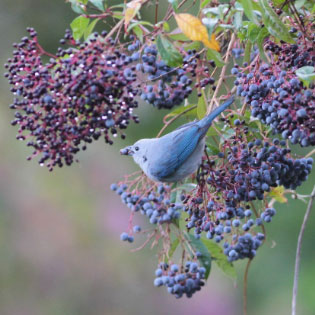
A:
{"x":195,"y":30}
{"x":277,"y":194}
{"x":212,"y":44}
{"x":132,"y":9}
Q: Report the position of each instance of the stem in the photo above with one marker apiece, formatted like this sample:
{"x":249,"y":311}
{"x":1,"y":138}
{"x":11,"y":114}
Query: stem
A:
{"x":174,"y":118}
{"x":221,"y":75}
{"x":257,"y":216}
{"x":44,"y":52}
{"x":298,"y":252}
{"x":114,"y":29}
{"x":310,"y":153}
{"x":245,"y":287}
{"x":156,"y":10}
{"x":97,"y":16}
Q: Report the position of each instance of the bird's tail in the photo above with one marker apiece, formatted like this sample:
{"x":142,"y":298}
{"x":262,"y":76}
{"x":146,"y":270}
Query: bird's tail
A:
{"x":206,"y":121}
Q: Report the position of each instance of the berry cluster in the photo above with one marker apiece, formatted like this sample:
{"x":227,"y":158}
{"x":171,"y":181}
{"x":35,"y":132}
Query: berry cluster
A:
{"x":278,"y":99}
{"x":180,"y":283}
{"x":293,"y":56}
{"x":80,"y":94}
{"x":244,"y":171}
{"x":154,"y":203}
{"x":171,"y":86}
{"x":245,"y":247}
{"x":237,"y":52}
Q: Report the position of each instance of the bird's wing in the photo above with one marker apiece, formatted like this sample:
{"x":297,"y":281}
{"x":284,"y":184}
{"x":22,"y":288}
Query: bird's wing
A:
{"x":182,"y":145}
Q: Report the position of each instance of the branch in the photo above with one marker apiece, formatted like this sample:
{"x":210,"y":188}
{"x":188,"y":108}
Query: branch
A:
{"x":310,"y":153}
{"x":245,"y":287}
{"x":298,"y":252}
{"x":174,"y":118}
{"x":222,"y":75}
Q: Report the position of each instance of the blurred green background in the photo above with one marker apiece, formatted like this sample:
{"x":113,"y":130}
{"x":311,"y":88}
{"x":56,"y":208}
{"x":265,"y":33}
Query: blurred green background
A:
{"x":60,"y":251}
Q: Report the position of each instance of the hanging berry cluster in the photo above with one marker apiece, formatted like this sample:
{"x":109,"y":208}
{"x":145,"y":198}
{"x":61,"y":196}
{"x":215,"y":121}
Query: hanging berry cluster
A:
{"x":81,"y":94}
{"x":276,"y":95}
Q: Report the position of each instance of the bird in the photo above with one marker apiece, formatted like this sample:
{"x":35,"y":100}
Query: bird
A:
{"x":176,"y":155}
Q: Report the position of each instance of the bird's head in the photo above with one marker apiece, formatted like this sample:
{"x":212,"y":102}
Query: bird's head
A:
{"x":138,"y":151}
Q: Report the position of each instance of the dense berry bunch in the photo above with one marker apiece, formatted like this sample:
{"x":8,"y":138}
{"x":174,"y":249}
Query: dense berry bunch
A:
{"x":167,"y":87}
{"x":82,"y":93}
{"x":245,"y":247}
{"x":154,"y":203}
{"x":278,"y":99}
{"x":293,"y":56}
{"x":237,"y":52}
{"x":180,"y":283}
{"x":244,"y":171}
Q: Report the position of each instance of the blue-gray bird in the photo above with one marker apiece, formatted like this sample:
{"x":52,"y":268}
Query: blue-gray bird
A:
{"x":176,"y":155}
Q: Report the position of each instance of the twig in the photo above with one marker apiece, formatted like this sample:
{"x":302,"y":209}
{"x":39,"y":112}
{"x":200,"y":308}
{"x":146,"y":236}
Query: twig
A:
{"x":156,"y":10}
{"x":209,"y":110}
{"x":257,"y":216}
{"x":298,"y":252}
{"x":44,"y":52}
{"x":115,"y":28}
{"x":145,"y":243}
{"x":310,"y":153}
{"x":98,"y":16}
{"x":171,"y":12}
{"x":174,"y":118}
{"x":245,"y":287}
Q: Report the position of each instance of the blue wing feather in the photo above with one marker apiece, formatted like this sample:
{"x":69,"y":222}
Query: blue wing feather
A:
{"x":182,"y":143}
{"x":185,"y":144}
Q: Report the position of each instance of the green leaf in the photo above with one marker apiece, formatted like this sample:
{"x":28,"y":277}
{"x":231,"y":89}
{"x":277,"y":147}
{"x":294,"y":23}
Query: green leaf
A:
{"x":173,"y":248}
{"x":249,"y":10}
{"x":278,"y":194}
{"x":90,"y":28}
{"x":216,"y":57}
{"x":219,"y":10}
{"x":199,"y":246}
{"x":182,"y":221}
{"x":299,"y":4}
{"x":168,"y":52}
{"x":237,"y":20}
{"x":226,"y":134}
{"x":178,"y":35}
{"x":193,"y":45}
{"x":260,"y":43}
{"x":166,"y":27}
{"x":278,"y":2}
{"x":220,"y":258}
{"x":274,"y":25}
{"x":306,"y":74}
{"x":77,"y":7}
{"x":79,"y":26}
{"x":212,"y":132}
{"x":132,"y":25}
{"x":180,"y":110}
{"x":248,"y":50}
{"x":204,"y":3}
{"x":212,"y":150}
{"x":253,"y":32}
{"x":201,"y":106}
{"x":210,"y":24}
{"x":188,"y":187}
{"x":98,"y":4}
{"x":174,"y":4}
{"x":138,"y":31}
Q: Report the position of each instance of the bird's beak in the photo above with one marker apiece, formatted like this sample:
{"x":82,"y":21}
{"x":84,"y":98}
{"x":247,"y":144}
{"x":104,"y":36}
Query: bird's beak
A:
{"x":126,"y":151}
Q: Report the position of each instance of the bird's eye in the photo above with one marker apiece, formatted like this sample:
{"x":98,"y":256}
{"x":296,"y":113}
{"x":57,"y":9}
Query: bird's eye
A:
{"x":137,"y":148}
